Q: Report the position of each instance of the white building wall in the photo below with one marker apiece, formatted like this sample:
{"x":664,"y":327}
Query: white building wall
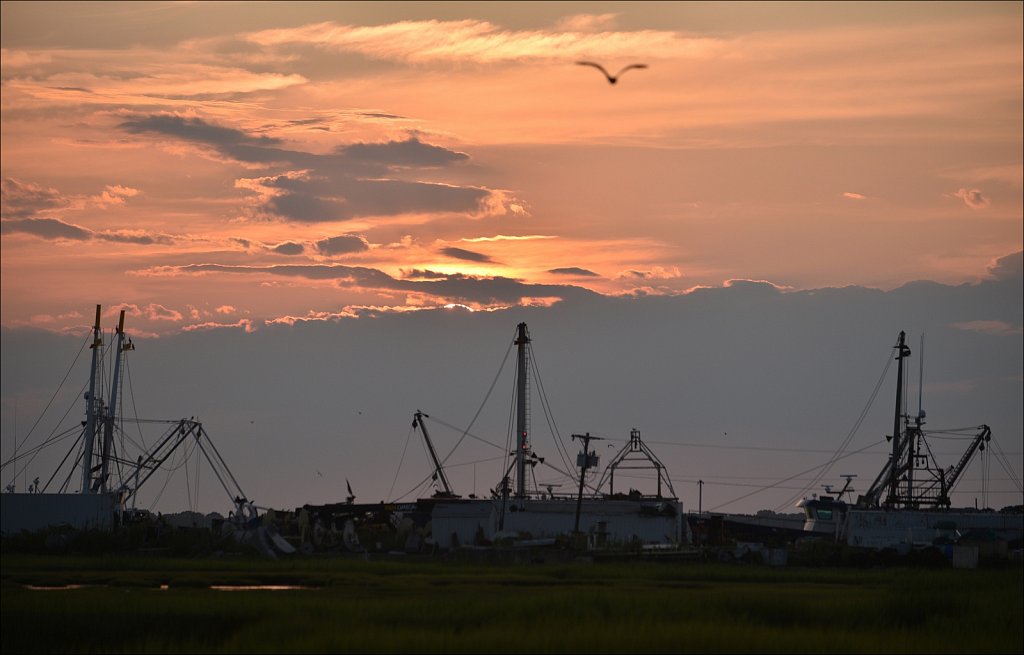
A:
{"x":621,"y":520}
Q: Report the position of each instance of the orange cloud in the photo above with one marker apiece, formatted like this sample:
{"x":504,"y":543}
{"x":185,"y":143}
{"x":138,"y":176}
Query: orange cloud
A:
{"x":155,"y":312}
{"x":587,"y":23}
{"x":655,"y":273}
{"x":481,"y":41}
{"x":155,"y":85}
{"x":275,"y":113}
{"x":736,"y":282}
{"x":502,"y":237}
{"x":113,"y":195}
{"x":245,"y":324}
{"x":10,"y":59}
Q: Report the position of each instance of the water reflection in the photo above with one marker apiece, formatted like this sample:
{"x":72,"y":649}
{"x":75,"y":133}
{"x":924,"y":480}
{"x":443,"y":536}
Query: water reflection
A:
{"x":260,"y":587}
{"x":166,"y":587}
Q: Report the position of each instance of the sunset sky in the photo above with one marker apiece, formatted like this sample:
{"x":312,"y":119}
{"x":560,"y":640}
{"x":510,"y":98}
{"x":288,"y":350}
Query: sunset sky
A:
{"x":226,"y":164}
{"x":243,"y":167}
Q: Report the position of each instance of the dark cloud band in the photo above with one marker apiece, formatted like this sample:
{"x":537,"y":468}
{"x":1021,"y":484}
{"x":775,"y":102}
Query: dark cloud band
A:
{"x":452,"y":288}
{"x":355,"y":180}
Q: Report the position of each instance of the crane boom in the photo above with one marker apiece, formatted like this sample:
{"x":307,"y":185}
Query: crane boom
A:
{"x":446,"y":489}
{"x":953,"y":473}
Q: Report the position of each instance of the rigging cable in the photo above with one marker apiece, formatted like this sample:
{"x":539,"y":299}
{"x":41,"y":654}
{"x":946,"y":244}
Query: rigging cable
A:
{"x":422,"y":484}
{"x":849,"y":437}
{"x":688,"y":444}
{"x":172,"y":467}
{"x":958,"y":434}
{"x":570,"y":477}
{"x":52,"y":398}
{"x":482,"y":405}
{"x":61,"y":465}
{"x":793,"y":477}
{"x":199,"y":465}
{"x":1004,"y":462}
{"x":458,"y":429}
{"x":120,"y":414}
{"x":563,"y":452}
{"x":477,"y":461}
{"x":509,"y":431}
{"x":188,"y":484}
{"x":52,"y":439}
{"x":401,"y":459}
{"x":56,"y":438}
{"x":78,"y":459}
{"x":986,"y":465}
{"x":452,"y":427}
{"x":213,"y":447}
{"x":238,"y":493}
{"x":135,"y":409}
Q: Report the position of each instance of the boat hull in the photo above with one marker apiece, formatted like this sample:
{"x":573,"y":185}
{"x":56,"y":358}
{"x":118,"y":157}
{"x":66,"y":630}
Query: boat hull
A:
{"x":890,"y":529}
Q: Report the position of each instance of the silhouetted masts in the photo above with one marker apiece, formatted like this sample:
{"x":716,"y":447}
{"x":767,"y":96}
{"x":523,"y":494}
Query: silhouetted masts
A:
{"x":522,"y":414}
{"x":90,"y":407}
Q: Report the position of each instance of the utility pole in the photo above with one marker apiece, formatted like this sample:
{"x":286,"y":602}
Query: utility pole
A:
{"x":700,"y":497}
{"x":584,"y":461}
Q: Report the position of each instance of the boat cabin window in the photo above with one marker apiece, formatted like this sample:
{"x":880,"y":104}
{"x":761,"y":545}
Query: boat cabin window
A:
{"x":825,"y":514}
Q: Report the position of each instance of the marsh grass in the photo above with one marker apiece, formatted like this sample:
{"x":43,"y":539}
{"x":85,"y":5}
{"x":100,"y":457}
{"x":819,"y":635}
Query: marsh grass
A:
{"x":431,"y":606}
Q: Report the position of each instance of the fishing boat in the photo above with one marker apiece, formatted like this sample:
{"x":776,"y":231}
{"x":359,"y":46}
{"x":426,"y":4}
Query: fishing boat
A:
{"x":521,"y":511}
{"x":96,"y":485}
{"x":909,"y":503}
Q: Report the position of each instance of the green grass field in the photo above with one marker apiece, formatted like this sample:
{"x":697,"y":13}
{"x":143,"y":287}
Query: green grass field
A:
{"x":355,"y":605}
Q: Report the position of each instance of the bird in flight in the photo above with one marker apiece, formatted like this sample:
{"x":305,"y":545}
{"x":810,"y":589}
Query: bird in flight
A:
{"x":612,"y":79}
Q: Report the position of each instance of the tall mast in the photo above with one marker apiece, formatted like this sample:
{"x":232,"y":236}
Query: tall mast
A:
{"x":90,"y":407}
{"x":897,"y":432}
{"x":522,"y":413}
{"x":111,"y":413}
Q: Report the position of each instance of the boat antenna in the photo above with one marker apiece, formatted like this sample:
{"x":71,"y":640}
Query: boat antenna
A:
{"x":847,"y":489}
{"x":920,"y":382}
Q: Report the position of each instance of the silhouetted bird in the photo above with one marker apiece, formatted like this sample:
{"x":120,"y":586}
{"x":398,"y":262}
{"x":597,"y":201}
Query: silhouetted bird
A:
{"x":612,"y":79}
